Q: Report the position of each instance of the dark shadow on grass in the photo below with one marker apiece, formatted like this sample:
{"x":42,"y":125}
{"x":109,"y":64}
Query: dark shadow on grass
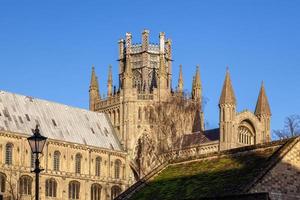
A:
{"x":219,"y":176}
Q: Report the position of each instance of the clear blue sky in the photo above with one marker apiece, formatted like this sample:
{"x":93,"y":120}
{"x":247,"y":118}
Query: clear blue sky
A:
{"x":47,"y":47}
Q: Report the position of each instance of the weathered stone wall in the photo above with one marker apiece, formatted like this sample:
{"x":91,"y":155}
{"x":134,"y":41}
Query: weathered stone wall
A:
{"x":21,"y":165}
{"x":283,"y":180}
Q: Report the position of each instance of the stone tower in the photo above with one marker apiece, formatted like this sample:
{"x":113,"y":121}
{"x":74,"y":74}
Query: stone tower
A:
{"x":145,"y":77}
{"x":242,"y":128}
{"x":94,"y":90}
{"x":145,"y":81}
{"x":263,"y":112}
{"x":227,"y":105}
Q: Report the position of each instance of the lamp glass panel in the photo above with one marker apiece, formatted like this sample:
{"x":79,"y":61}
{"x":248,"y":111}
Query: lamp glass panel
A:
{"x":41,"y":143}
{"x":32,"y":145}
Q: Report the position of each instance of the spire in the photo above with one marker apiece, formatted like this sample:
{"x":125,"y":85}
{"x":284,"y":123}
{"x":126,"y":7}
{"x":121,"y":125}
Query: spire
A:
{"x":193,"y":84}
{"x":262,"y":105}
{"x":93,"y":78}
{"x":97,"y":85}
{"x":109,"y":82}
{"x":227,"y":95}
{"x":197,"y":78}
{"x":196,"y":90}
{"x":180,"y":80}
{"x":94,"y":90}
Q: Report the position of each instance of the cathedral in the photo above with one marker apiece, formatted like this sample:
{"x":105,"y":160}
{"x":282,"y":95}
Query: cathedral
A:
{"x":141,"y":123}
{"x":145,"y":79}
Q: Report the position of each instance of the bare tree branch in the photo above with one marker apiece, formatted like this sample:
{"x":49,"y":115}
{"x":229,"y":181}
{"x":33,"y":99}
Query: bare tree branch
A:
{"x":291,"y":127}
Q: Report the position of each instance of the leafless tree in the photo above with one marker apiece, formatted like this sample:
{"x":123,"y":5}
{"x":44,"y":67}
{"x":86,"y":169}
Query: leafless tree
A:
{"x":12,"y":188}
{"x":291,"y":127}
{"x":171,"y":119}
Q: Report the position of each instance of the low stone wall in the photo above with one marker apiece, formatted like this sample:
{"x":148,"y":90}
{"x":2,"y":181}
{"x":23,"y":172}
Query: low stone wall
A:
{"x":193,"y":151}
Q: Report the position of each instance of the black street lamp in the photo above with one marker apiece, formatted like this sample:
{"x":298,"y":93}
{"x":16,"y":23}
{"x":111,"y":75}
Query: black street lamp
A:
{"x":37,"y":143}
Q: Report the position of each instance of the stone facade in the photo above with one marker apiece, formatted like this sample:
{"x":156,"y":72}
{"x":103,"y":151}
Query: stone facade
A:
{"x":244,"y":128}
{"x":283,"y":180}
{"x":145,"y":79}
{"x":145,"y":90}
{"x":21,"y":166}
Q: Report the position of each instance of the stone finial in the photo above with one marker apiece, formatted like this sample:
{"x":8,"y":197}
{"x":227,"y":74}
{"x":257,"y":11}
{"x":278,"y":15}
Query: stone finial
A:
{"x":262,"y":105}
{"x":227,"y":95}
{"x":162,"y":42}
{"x":145,"y":40}
{"x":196,"y":90}
{"x":121,"y":43}
{"x":180,"y":80}
{"x":168,"y":44}
{"x":94,"y":89}
{"x":128,"y":42}
{"x":197,"y":77}
{"x":109,"y":81}
{"x":93,"y":78}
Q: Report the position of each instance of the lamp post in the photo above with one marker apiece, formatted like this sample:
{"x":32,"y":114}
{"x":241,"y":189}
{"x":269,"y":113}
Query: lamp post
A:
{"x":37,"y":143}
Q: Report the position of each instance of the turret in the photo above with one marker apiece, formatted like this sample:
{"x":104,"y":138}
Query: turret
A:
{"x":197,"y":97}
{"x":145,"y":40}
{"x":161,"y":42}
{"x":197,"y":86}
{"x":263,"y":113}
{"x":121,"y":55}
{"x":163,"y":75}
{"x":168,"y":52}
{"x":94,"y":90}
{"x":227,"y":105}
{"x":180,"y":81}
{"x":128,"y":69}
{"x":109,"y":82}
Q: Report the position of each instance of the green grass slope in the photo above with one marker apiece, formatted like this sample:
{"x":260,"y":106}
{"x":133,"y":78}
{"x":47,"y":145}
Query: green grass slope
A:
{"x":206,"y":178}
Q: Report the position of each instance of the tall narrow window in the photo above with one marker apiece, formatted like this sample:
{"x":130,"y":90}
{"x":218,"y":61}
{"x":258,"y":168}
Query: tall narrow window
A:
{"x":115,"y":191}
{"x":8,"y":153}
{"x":117,"y":168}
{"x":98,"y":166}
{"x":74,"y":190}
{"x":114,"y":117}
{"x":56,"y":160}
{"x":78,"y":163}
{"x":51,"y":188}
{"x":2,"y":182}
{"x":96,"y":191}
{"x":25,"y":184}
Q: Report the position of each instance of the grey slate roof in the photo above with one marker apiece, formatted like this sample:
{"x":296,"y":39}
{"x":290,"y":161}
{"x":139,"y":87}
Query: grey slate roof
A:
{"x":20,"y":114}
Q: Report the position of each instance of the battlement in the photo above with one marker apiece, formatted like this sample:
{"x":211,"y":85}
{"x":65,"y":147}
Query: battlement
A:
{"x":109,"y":101}
{"x":127,"y":47}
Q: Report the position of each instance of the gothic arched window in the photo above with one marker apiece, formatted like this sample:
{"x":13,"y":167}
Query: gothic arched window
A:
{"x":25,"y":184}
{"x":246,"y":133}
{"x":51,"y":188}
{"x":115,"y":191}
{"x":56,"y":160}
{"x":2,"y":182}
{"x":114,"y":117}
{"x":96,"y":191}
{"x":78,"y":163}
{"x":8,"y":153}
{"x":117,"y":168}
{"x":74,"y":190}
{"x":98,"y":166}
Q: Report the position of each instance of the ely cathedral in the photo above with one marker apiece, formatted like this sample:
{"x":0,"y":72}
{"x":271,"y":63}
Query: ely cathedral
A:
{"x":98,"y":153}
